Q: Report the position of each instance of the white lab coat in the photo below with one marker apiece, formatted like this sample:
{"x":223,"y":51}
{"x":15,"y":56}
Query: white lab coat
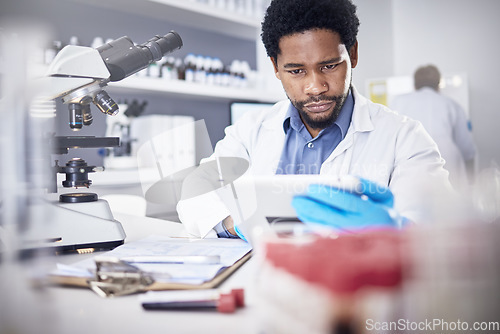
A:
{"x":380,"y":145}
{"x":447,"y":124}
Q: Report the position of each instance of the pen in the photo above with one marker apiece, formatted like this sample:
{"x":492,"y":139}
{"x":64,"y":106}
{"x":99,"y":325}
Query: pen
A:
{"x":194,"y":300}
{"x":174,"y":259}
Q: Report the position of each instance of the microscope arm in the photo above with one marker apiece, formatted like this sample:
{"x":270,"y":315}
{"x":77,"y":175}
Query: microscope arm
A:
{"x":80,"y":62}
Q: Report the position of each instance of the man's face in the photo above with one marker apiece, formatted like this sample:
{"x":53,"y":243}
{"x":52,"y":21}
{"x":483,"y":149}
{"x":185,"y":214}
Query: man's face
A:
{"x":315,"y":70}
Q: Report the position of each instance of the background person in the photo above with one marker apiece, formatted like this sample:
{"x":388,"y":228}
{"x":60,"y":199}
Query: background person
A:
{"x":444,"y":119}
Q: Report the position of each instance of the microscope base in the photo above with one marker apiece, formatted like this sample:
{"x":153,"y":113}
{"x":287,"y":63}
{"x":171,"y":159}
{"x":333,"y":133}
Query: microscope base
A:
{"x":64,"y":227}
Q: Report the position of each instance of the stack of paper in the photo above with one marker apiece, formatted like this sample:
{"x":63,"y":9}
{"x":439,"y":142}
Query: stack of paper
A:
{"x":227,"y":251}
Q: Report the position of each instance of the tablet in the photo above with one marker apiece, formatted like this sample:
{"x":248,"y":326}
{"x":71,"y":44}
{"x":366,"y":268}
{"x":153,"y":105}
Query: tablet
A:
{"x":265,"y":200}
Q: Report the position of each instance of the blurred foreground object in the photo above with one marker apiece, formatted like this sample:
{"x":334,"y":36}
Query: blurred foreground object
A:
{"x":21,"y":291}
{"x":423,"y":279}
{"x":322,"y":285}
{"x":454,"y":277}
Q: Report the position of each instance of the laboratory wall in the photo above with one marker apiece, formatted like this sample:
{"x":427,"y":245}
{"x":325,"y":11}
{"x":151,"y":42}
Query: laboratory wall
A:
{"x":375,"y":42}
{"x":456,"y":36}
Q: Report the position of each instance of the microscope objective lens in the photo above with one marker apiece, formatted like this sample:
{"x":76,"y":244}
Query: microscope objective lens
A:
{"x":75,"y":116}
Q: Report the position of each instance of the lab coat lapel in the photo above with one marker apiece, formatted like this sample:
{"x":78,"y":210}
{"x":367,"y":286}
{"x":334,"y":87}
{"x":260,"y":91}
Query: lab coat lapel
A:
{"x":273,"y":141}
{"x":360,"y":122}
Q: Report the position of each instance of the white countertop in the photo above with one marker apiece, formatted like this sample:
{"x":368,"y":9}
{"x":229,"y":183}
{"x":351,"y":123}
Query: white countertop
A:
{"x":56,"y":309}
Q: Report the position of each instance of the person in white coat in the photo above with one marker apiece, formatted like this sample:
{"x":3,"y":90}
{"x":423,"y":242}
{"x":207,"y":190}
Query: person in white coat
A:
{"x":444,"y":119}
{"x":325,"y":126}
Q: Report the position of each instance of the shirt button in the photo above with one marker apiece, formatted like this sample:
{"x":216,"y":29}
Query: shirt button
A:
{"x":310,"y":145}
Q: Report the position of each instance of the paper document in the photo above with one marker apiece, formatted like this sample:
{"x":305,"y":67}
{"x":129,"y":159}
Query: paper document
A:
{"x":228,"y":251}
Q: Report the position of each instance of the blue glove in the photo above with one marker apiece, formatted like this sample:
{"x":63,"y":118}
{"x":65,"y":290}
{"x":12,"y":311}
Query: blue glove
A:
{"x":239,"y":233}
{"x":371,"y":205}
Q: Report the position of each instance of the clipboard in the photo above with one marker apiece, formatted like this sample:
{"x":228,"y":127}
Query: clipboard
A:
{"x":113,"y":277}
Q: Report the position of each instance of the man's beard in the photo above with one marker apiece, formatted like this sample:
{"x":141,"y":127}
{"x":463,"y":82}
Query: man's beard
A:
{"x":324,"y":122}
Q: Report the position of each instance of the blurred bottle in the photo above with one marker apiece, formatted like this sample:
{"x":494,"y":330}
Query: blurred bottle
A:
{"x":210,"y":71}
{"x":240,"y":6}
{"x":221,"y":4}
{"x":168,"y":69}
{"x":231,"y":5}
{"x":200,"y":72}
{"x":218,"y":68}
{"x":97,"y":42}
{"x":180,"y":69}
{"x":154,"y":69}
{"x":52,"y":50}
{"x":226,"y":76}
{"x":250,"y":8}
{"x":190,"y":67}
{"x":74,"y":40}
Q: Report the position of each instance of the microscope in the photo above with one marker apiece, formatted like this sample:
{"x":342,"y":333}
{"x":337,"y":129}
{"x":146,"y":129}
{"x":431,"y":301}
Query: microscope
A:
{"x":81,"y":221}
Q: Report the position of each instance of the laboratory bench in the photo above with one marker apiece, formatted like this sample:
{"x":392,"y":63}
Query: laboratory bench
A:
{"x":61,"y":309}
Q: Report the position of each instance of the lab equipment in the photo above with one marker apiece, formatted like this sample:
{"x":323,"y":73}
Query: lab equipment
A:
{"x":369,"y":205}
{"x":75,"y":220}
{"x":266,"y":201}
{"x":78,"y":76}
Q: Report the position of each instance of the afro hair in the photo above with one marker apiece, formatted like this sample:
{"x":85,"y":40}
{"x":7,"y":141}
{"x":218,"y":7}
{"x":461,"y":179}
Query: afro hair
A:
{"x":287,"y":17}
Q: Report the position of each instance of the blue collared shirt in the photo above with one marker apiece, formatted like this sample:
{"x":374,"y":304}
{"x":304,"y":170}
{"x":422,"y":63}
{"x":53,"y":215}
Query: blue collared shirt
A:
{"x":303,"y":154}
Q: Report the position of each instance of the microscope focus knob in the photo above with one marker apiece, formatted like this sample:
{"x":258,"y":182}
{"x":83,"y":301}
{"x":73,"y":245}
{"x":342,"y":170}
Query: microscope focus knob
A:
{"x":76,"y":171}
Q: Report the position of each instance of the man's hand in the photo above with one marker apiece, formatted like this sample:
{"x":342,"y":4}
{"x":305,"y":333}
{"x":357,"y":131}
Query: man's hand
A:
{"x":371,"y":205}
{"x":229,"y":225}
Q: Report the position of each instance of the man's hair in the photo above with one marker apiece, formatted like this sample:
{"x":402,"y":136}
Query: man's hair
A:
{"x":287,"y":17}
{"x":427,"y":76}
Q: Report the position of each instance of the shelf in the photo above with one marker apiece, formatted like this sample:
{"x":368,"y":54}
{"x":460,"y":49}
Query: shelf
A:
{"x":194,"y":90}
{"x":194,"y":14}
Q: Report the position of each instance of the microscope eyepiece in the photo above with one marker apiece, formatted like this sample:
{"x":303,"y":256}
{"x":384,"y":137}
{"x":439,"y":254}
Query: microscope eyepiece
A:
{"x":123,"y":58}
{"x":159,"y":46}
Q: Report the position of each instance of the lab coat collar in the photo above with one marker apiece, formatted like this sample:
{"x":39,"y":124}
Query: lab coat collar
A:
{"x":360,"y":122}
{"x":276,"y":121}
{"x":361,"y":119}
